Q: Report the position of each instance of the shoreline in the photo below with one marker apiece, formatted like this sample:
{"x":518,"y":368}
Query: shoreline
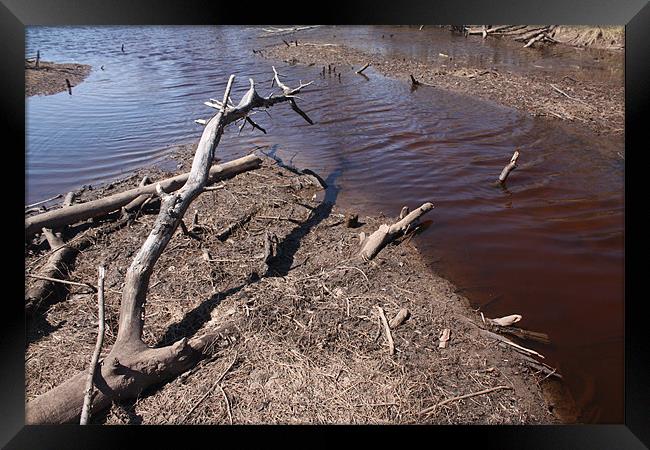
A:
{"x":299,"y":331}
{"x":50,"y":78}
{"x":598,"y":106}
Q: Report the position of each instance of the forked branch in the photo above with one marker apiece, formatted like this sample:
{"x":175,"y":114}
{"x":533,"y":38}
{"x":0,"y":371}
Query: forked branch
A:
{"x":131,"y":366}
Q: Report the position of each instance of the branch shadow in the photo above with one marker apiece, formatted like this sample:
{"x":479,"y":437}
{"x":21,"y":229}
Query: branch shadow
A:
{"x":277,"y":266}
{"x":280,"y":265}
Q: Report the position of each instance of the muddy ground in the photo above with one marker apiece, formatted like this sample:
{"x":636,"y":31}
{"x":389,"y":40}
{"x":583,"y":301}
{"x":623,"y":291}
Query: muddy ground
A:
{"x":598,"y":105}
{"x":49,"y":78}
{"x":307,"y":345}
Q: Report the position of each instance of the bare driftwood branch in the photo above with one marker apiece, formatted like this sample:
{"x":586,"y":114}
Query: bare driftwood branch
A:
{"x":389,"y":336}
{"x":131,"y":366}
{"x":385,"y":234}
{"x":82,"y":211}
{"x":506,"y":341}
{"x":85,"y":411}
{"x":43,"y":201}
{"x":509,"y":168}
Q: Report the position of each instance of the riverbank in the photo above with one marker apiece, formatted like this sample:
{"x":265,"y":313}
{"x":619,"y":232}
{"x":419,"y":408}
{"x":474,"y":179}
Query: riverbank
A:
{"x":50,"y":78}
{"x":306,"y":342}
{"x":580,"y":99}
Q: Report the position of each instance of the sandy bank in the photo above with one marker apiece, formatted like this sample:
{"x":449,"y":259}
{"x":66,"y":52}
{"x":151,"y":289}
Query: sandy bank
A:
{"x":306,"y":343}
{"x":50,"y":78}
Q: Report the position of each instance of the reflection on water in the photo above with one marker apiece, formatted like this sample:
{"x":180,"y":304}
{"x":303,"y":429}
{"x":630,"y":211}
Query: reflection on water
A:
{"x":549,"y":246}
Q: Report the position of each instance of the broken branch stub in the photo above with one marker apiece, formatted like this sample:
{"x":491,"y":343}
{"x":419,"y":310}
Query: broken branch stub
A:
{"x":131,"y":366}
{"x":386,"y":234}
{"x":509,"y":168}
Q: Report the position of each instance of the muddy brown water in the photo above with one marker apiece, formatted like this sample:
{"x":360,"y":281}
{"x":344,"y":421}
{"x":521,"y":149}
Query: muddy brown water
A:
{"x":549,"y":246}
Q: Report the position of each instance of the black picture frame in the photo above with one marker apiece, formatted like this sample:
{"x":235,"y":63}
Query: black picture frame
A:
{"x":15,"y":15}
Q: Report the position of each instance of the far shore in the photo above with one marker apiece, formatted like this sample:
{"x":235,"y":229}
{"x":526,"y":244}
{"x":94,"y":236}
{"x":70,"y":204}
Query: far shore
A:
{"x":580,"y":100}
{"x":50,"y":78}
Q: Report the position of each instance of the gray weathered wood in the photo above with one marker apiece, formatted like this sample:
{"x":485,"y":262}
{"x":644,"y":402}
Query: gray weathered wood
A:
{"x":83,"y":211}
{"x":131,"y":366}
{"x":385,"y":234}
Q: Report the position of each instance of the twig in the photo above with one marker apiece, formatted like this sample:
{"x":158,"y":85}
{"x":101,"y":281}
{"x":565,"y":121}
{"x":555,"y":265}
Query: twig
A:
{"x":196,"y":405}
{"x":360,"y":71}
{"x":56,"y":280}
{"x":43,"y":201}
{"x":461,"y":397}
{"x":225,"y":397}
{"x":85,"y":411}
{"x":389,"y":337}
{"x":506,"y":341}
{"x":568,"y":96}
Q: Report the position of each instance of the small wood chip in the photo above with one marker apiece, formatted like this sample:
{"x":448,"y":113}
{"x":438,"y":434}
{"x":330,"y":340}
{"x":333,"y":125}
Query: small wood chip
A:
{"x":444,"y":338}
{"x":399,"y":318}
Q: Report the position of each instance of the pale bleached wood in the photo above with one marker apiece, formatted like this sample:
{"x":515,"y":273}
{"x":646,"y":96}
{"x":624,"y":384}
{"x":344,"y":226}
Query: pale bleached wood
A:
{"x":85,"y":411}
{"x":509,"y":168}
{"x":385,"y":234}
{"x":82,"y":211}
{"x":131,"y":366}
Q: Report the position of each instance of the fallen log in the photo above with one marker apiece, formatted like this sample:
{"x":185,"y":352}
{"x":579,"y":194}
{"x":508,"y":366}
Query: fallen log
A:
{"x":83,"y":211}
{"x":131,"y":366}
{"x":385,"y":234}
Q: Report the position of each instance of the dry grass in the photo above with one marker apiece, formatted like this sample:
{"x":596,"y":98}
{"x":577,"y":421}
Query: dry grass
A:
{"x":308,"y":346}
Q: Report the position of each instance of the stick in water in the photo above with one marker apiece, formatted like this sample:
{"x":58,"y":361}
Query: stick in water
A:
{"x":509,"y":168}
{"x":363,"y":68}
{"x":85,"y":411}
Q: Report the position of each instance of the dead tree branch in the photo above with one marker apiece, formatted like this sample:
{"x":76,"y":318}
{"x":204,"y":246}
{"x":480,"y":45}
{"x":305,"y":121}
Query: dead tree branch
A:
{"x":85,"y":412}
{"x":131,"y":366}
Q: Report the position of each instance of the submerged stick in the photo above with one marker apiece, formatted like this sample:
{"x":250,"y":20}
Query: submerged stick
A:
{"x":85,"y":411}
